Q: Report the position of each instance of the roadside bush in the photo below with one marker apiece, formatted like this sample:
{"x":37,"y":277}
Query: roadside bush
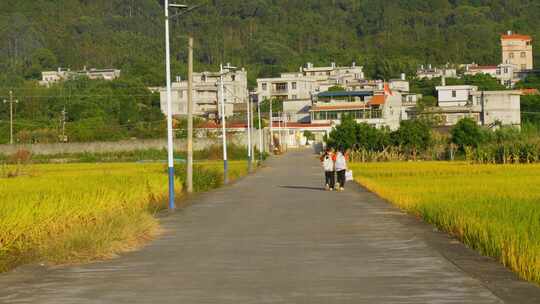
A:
{"x":204,"y":178}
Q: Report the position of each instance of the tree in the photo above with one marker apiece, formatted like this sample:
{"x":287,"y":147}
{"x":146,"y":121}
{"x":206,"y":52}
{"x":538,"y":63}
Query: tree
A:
{"x":277,"y":105}
{"x":370,"y":138}
{"x":344,"y":135}
{"x":336,"y":88}
{"x":467,"y":133}
{"x":414,"y":136}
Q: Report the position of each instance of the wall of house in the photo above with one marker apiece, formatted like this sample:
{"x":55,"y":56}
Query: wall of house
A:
{"x":502,"y":107}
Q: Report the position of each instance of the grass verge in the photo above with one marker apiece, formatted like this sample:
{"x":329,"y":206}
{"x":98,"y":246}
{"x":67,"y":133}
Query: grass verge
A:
{"x":495,"y":209}
{"x":73,"y":213}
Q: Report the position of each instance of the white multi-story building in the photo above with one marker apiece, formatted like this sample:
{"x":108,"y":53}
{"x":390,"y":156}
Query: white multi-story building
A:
{"x":430,"y":72}
{"x":486,"y":107}
{"x":206,"y":93}
{"x":50,"y":77}
{"x":454,"y":96}
{"x":506,"y":73}
{"x":379,"y":108}
{"x":517,"y":50}
{"x":307,"y":81}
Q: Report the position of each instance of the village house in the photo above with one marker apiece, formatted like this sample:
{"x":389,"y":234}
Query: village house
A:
{"x":378,"y":108}
{"x":517,"y":60}
{"x":517,"y":50}
{"x":488,"y":108}
{"x":51,"y":77}
{"x":206,"y":93}
{"x":430,"y":72}
{"x":308,"y":80}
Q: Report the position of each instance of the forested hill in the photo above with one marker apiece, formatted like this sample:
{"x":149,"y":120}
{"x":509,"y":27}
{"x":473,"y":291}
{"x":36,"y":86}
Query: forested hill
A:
{"x":267,"y":36}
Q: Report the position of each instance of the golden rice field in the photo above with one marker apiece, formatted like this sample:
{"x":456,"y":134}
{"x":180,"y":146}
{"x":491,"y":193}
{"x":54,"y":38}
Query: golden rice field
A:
{"x":494,"y":209}
{"x":80,"y":212}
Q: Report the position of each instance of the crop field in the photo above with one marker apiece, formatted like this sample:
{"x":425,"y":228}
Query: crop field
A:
{"x":494,"y":209}
{"x":74,"y":213}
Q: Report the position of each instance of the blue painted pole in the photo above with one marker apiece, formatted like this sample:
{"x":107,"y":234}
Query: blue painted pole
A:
{"x":171,"y":188}
{"x":170,"y":145}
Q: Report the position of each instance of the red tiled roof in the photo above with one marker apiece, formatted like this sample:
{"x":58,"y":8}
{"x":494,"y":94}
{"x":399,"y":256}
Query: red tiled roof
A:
{"x":338,"y":107}
{"x":530,"y":92}
{"x":213,"y":125}
{"x":377,"y":100}
{"x":483,"y":67}
{"x":298,"y":125}
{"x":516,"y":37}
{"x":387,"y":90}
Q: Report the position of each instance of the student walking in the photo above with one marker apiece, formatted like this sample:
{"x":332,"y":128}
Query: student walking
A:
{"x":327,"y":161}
{"x":341,"y":169}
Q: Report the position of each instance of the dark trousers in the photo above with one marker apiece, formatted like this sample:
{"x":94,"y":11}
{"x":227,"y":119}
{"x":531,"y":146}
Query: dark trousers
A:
{"x":341,"y":178}
{"x":330,"y":178}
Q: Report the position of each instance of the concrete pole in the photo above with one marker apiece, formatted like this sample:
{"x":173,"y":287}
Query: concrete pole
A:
{"x":252,"y":130}
{"x":271,"y":128}
{"x":189,"y":173}
{"x":280,"y":131}
{"x":223,"y":125}
{"x":261,"y":148}
{"x":170,"y":145}
{"x":250,"y":156}
{"x":11,"y":101}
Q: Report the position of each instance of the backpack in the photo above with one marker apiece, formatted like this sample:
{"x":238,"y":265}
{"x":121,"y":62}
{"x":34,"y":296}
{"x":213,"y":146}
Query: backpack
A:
{"x":328,"y":163}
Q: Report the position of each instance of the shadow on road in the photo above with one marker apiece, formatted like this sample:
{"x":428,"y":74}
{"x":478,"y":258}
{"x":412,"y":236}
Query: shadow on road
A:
{"x":303,"y":188}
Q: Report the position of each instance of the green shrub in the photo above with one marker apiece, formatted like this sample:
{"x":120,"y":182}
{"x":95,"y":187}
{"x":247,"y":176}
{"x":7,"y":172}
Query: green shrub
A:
{"x":204,"y":178}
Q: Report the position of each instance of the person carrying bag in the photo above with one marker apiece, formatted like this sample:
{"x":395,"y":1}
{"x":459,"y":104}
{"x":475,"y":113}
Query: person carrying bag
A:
{"x":341,"y":169}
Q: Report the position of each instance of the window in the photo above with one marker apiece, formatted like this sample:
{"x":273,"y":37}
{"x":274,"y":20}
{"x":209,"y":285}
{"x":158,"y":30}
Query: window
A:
{"x":233,"y":77}
{"x":454,"y":94}
{"x":294,"y":85}
{"x":506,"y":70}
{"x":264,"y":86}
{"x":327,"y":73}
{"x":511,"y":55}
{"x":523,"y":54}
{"x":203,"y":78}
{"x":498,"y":71}
{"x":294,"y":97}
{"x":332,"y":115}
{"x":281,"y":86}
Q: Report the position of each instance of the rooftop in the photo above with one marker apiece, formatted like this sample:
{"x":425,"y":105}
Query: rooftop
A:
{"x":345,"y":94}
{"x":516,"y":37}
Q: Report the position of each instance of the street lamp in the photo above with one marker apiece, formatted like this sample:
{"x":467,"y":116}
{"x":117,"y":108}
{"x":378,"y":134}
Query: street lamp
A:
{"x":170,"y":144}
{"x":222,"y":73}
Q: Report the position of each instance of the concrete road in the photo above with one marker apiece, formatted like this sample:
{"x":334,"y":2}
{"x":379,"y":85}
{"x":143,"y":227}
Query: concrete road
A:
{"x":276,"y":237}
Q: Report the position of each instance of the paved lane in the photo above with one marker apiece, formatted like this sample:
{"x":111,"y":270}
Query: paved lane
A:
{"x":273,"y":237}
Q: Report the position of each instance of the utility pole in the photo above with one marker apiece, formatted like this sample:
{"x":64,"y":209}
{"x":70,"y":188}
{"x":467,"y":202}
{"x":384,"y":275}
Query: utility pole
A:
{"x":252,"y":130}
{"x":261,"y":148}
{"x":11,"y":101}
{"x":170,"y":145}
{"x":271,"y":128}
{"x":189,"y":168}
{"x":223,"y":125}
{"x":250,"y":155}
{"x":64,"y":113}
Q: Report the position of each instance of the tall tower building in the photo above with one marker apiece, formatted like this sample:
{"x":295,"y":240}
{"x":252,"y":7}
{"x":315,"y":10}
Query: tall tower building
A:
{"x":517,"y":50}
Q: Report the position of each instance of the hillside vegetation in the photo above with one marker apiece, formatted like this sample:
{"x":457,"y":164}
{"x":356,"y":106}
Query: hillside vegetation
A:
{"x":267,"y":36}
